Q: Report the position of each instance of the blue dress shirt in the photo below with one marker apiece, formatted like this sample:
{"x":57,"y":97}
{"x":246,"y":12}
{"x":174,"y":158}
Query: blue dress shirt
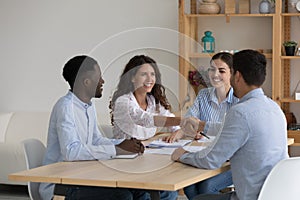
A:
{"x":73,"y":134}
{"x":253,"y":138}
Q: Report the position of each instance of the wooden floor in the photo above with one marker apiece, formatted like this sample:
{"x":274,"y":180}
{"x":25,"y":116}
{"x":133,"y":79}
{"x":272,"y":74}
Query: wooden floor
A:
{"x":13,"y":192}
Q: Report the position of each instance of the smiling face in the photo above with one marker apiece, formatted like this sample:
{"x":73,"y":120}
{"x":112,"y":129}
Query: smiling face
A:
{"x":144,"y":79}
{"x":219,"y":74}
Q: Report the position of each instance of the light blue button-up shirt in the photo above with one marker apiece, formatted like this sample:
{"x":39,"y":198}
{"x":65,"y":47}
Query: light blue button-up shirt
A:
{"x":206,"y":106}
{"x":74,"y":135}
{"x":253,"y":138}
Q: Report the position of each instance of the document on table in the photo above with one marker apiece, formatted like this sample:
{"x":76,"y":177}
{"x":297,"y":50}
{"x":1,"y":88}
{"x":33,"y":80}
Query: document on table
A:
{"x":169,"y":151}
{"x":127,"y":156}
{"x":163,"y":151}
{"x":204,"y":139}
{"x":160,"y":143}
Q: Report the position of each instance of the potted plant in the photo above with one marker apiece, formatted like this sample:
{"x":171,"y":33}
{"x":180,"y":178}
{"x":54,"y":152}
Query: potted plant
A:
{"x":290,"y":47}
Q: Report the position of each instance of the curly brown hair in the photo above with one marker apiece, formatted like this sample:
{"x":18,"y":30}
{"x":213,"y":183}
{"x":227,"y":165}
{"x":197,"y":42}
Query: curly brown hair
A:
{"x":125,"y":84}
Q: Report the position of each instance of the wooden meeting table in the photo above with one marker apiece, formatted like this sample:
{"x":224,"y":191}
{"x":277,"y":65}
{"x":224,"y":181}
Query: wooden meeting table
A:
{"x":148,"y":171}
{"x":164,"y":176}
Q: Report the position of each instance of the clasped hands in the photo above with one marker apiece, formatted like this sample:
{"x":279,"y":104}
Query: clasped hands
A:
{"x":191,"y":126}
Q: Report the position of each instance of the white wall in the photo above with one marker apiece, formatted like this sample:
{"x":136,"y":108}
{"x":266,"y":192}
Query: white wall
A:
{"x":38,"y":37}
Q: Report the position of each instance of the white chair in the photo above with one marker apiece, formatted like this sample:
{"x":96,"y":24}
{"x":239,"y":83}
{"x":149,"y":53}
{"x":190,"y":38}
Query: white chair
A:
{"x":282,"y":183}
{"x":106,"y":130}
{"x":34,"y":151}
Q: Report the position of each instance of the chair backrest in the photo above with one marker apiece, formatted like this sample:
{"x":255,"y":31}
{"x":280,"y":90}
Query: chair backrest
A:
{"x":106,"y":130}
{"x":34,"y":151}
{"x":281,"y":182}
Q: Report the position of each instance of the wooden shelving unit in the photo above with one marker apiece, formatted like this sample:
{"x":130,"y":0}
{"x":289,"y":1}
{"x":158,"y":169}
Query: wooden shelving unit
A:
{"x":284,"y":98}
{"x":189,"y":41}
{"x":281,"y":31}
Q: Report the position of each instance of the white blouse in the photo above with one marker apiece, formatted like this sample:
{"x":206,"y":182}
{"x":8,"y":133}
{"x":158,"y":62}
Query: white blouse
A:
{"x":131,"y":121}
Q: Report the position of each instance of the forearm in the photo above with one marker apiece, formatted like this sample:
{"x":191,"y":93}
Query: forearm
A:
{"x":162,"y":121}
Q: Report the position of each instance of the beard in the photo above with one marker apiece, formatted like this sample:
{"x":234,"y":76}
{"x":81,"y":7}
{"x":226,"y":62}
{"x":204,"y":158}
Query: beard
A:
{"x":98,"y":92}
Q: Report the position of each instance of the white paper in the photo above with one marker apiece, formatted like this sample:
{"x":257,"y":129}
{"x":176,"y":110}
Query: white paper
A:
{"x":204,"y":139}
{"x":127,"y":156}
{"x":161,"y":143}
{"x":163,"y":151}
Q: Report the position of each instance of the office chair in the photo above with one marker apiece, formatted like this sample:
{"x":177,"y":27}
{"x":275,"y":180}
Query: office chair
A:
{"x":34,"y":153}
{"x":281,"y":183}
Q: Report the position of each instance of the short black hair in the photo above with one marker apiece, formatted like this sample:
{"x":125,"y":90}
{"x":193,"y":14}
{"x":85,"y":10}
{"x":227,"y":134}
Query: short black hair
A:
{"x":83,"y":63}
{"x":252,"y":65}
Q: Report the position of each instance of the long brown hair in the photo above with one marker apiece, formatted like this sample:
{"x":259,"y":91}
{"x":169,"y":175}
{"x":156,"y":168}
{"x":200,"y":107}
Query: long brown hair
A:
{"x":125,"y":84}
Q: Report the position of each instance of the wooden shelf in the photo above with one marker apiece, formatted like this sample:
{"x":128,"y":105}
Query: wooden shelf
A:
{"x":201,"y":55}
{"x":289,"y":100}
{"x":205,"y":15}
{"x":289,"y":57}
{"x":290,"y":14}
{"x":294,"y":132}
{"x":229,"y":15}
{"x":295,"y":135}
{"x":209,"y":55}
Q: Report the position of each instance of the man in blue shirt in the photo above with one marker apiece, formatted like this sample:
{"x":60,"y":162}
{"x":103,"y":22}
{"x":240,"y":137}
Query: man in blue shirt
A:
{"x":74,"y":135}
{"x":253,"y":137}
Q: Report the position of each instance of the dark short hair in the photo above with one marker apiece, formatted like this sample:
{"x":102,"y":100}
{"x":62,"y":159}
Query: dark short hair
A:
{"x":252,"y":65}
{"x":76,"y":66}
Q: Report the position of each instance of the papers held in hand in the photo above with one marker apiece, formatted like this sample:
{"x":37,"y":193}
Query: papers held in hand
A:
{"x":160,"y":144}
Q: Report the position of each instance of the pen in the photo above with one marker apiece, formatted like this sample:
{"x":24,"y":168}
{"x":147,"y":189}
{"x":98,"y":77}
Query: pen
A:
{"x":202,"y":133}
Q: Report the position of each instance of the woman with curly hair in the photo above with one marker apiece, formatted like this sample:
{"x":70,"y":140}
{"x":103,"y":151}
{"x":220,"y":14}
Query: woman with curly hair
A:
{"x":139,"y":105}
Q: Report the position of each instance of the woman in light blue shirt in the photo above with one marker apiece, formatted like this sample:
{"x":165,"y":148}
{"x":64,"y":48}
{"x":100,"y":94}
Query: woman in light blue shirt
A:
{"x":211,"y":105}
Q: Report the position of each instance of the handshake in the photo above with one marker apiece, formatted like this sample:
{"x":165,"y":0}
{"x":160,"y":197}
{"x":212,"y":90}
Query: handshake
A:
{"x":193,"y":127}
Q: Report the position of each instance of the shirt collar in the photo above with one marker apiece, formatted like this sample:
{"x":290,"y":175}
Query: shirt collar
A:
{"x":149,"y":102}
{"x":230,"y":96}
{"x":253,"y":93}
{"x":213,"y":95}
{"x":77,"y":101}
